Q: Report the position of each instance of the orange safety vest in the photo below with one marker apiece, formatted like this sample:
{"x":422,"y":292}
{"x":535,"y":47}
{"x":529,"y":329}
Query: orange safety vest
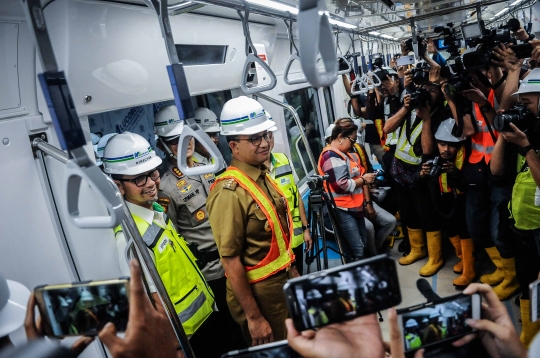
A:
{"x":482,"y":143}
{"x":363,"y":155}
{"x":458,"y":163}
{"x":346,"y":200}
{"x":280,"y":255}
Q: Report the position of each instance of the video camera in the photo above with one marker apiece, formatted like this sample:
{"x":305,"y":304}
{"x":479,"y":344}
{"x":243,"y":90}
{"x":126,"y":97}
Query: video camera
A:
{"x":316,"y":181}
{"x":377,"y":60}
{"x":451,"y":42}
{"x":420,"y":73}
{"x":520,"y":116}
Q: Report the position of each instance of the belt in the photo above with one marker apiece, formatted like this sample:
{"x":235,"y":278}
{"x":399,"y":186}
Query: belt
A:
{"x":203,"y":257}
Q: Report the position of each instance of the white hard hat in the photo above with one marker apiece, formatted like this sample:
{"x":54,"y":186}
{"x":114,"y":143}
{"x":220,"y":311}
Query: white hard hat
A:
{"x":313,"y":294}
{"x":13,"y":300}
{"x":100,"y":147}
{"x":411,"y":323}
{"x":167,"y":122}
{"x":207,"y":120}
{"x":435,"y":314}
{"x":444,"y":132}
{"x":530,"y":84}
{"x":129,"y":154}
{"x":243,"y":115}
{"x":328,"y":131}
{"x":95,"y":138}
{"x":274,"y":128}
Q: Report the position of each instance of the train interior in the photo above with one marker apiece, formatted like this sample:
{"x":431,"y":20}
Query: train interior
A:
{"x":114,"y":58}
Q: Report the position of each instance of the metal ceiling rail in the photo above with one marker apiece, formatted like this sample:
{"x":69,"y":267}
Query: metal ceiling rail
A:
{"x":423,"y":7}
{"x":428,"y":16}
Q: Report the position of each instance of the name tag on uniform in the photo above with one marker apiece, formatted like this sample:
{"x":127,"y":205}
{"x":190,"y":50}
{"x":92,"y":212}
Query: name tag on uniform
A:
{"x":163,"y":245}
{"x":284,"y":181}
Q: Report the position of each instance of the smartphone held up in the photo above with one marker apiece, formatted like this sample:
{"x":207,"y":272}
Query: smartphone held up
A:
{"x":343,"y":293}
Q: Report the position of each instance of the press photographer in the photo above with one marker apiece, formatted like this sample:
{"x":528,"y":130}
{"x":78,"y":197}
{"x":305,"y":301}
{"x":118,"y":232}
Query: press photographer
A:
{"x":520,"y":138}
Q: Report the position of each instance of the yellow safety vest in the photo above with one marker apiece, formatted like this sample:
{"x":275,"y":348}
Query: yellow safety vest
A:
{"x":522,"y":208}
{"x":404,"y":149}
{"x":191,"y":296}
{"x":279,"y":256}
{"x":458,"y":163}
{"x":283,"y":176}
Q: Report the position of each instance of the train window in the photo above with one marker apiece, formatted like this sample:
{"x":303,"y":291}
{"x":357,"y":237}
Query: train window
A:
{"x":305,"y":101}
{"x":329,"y":103}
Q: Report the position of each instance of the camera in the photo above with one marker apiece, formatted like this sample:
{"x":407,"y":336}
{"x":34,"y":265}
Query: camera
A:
{"x":450,"y":40}
{"x":419,"y":98}
{"x":479,"y":56}
{"x":520,"y":116}
{"x":420,"y":73}
{"x":377,"y":60}
{"x":422,"y":47}
{"x":436,"y":166}
{"x":316,"y":181}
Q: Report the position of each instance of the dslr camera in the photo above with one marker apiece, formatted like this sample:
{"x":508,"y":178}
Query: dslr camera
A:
{"x":420,"y":73}
{"x":520,"y":116}
{"x":419,"y":98}
{"x":436,"y":166}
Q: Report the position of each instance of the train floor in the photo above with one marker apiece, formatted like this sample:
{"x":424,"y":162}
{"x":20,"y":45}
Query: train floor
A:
{"x":440,"y":282}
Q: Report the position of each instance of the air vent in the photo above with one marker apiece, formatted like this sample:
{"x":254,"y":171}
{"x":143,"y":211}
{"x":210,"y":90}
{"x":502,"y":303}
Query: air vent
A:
{"x":196,"y":55}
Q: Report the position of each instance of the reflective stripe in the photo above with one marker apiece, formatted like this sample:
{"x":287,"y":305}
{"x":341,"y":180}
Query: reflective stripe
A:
{"x":482,"y":149}
{"x":298,"y":231}
{"x":152,"y":235}
{"x":280,"y":255}
{"x":458,"y":164}
{"x":190,"y":311}
{"x":405,"y":150}
{"x":368,"y":121}
{"x":283,"y":170}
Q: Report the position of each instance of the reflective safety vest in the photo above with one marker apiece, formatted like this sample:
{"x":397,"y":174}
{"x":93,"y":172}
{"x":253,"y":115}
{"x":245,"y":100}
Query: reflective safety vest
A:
{"x":283,"y":176}
{"x":279,"y":256}
{"x":482,"y":143}
{"x":522,"y":208}
{"x":391,"y":138}
{"x":191,"y":296}
{"x":363,"y":155}
{"x":458,"y":164}
{"x":379,"y":127}
{"x":352,"y":200}
{"x":413,"y":341}
{"x":404,"y":149}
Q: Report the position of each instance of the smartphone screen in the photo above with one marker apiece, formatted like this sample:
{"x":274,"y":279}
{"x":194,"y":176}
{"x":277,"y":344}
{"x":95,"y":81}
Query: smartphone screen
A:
{"x":343,"y":293}
{"x":431,"y":324}
{"x":534,"y":294}
{"x":84,"y":309}
{"x":278,"y":349}
{"x":406,"y":60}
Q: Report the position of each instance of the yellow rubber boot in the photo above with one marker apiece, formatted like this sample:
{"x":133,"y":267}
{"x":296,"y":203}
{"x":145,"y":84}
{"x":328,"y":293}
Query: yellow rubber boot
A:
{"x":418,"y":247}
{"x":509,"y":286}
{"x":528,"y":328}
{"x":456,"y":242}
{"x":435,"y":261}
{"x":496,"y":276}
{"x":468,"y":276}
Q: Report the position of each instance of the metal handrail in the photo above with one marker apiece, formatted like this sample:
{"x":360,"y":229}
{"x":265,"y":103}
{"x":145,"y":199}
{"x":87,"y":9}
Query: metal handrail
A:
{"x":300,"y":155}
{"x":129,"y":226}
{"x":298,"y":124}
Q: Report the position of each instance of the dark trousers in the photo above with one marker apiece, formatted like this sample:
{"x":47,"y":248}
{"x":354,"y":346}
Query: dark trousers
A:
{"x":527,"y":257}
{"x":416,"y":208}
{"x":456,"y":224}
{"x":219,"y":334}
{"x":299,"y":261}
{"x":487,"y":216}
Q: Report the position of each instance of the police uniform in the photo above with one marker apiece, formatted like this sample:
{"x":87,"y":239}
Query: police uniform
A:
{"x":241,"y":228}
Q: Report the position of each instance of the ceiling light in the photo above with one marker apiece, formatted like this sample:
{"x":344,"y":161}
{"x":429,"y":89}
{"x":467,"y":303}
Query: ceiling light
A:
{"x":501,"y":12}
{"x":516,"y":2}
{"x":275,"y":5}
{"x":374,"y":33}
{"x":343,"y":24}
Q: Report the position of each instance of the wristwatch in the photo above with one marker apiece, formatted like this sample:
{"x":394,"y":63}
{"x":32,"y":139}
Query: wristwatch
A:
{"x":524,"y":150}
{"x":305,"y":227}
{"x":370,"y":202}
{"x":485,"y":107}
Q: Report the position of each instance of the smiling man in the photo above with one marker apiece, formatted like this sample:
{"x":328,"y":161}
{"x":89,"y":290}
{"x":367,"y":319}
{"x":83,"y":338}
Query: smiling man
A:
{"x":133,"y":165}
{"x":252,"y":225}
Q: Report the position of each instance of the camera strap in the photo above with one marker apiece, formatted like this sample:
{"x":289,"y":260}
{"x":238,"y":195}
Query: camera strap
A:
{"x":488,"y":125}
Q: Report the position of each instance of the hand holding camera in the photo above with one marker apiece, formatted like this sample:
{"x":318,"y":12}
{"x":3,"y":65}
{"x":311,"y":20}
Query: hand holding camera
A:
{"x":475,"y":95}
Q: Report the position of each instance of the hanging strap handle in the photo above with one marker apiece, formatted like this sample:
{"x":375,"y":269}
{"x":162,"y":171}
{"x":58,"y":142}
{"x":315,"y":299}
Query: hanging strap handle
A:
{"x":182,"y":100}
{"x":315,"y":35}
{"x":251,"y":57}
{"x":69,"y":130}
{"x":294,"y":55}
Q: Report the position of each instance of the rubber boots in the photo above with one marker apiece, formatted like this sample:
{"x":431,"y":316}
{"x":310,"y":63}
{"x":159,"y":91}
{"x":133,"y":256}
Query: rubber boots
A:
{"x":456,"y":242}
{"x":496,"y":276}
{"x":528,"y":328}
{"x":435,"y":261}
{"x":509,"y":286}
{"x":468,"y":275}
{"x":418,"y":247}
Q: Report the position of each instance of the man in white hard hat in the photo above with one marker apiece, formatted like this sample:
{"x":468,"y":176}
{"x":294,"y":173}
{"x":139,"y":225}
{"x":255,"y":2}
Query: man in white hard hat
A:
{"x":13,"y":300}
{"x":99,"y":147}
{"x":133,"y":165}
{"x":252,"y":225}
{"x":209,"y":123}
{"x":520,"y":139}
{"x":184,"y":199}
{"x":412,"y":339}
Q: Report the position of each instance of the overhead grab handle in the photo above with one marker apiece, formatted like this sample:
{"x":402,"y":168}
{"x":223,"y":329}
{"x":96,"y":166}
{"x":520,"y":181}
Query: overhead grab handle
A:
{"x":368,"y":81}
{"x":253,"y":58}
{"x":315,"y":35}
{"x":375,"y":78}
{"x":182,"y":100}
{"x":294,"y":55}
{"x":68,"y":128}
{"x":360,"y":84}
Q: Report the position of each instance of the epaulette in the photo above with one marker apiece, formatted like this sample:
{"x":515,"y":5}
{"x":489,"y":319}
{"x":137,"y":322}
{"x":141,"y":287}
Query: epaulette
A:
{"x":177,"y":172}
{"x":230,"y":184}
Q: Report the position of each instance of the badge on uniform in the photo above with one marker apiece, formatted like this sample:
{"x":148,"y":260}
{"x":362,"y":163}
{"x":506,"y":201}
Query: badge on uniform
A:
{"x":200,"y":215}
{"x":267,"y":227}
{"x":164,"y":202}
{"x":230,"y":184}
{"x":163,"y":245}
{"x":181,"y":183}
{"x":206,"y":176}
{"x":284,"y":181}
{"x":177,"y":172}
{"x":185,"y":189}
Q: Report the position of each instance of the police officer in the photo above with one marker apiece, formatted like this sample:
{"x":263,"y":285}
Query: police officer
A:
{"x":412,"y":339}
{"x":184,"y":199}
{"x":132,"y":163}
{"x":252,"y":225}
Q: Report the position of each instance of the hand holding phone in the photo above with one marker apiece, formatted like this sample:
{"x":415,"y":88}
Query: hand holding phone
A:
{"x":495,"y":330}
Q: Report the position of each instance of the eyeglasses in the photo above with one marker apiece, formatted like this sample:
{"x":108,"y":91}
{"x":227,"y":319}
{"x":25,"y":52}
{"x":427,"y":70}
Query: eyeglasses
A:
{"x":214,"y":135}
{"x":352,"y":140}
{"x":141,"y":180}
{"x":256,"y":141}
{"x":172,"y":141}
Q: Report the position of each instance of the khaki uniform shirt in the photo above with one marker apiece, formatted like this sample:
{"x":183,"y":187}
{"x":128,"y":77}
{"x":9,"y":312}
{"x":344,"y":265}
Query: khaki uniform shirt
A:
{"x":239,"y":225}
{"x":187,"y":210}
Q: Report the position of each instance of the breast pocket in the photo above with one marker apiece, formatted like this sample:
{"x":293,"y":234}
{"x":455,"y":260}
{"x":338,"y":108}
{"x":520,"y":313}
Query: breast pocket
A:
{"x":195,"y":202}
